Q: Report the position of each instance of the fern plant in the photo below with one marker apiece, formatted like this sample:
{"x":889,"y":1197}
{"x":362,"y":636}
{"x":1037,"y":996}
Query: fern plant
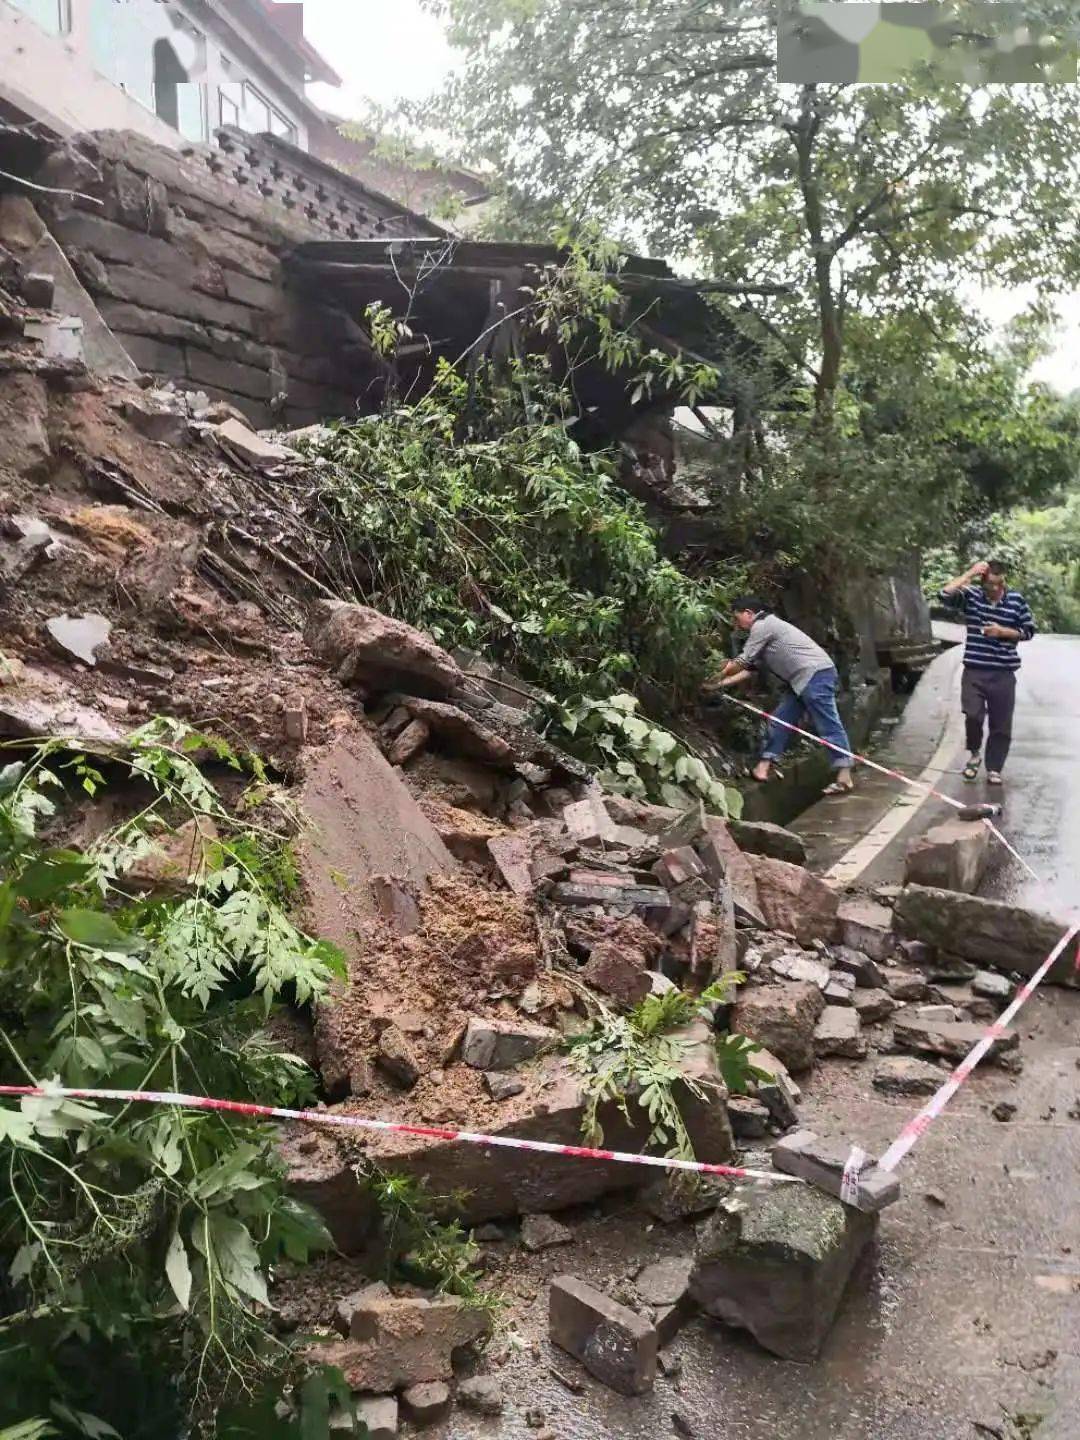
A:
{"x":639,"y":1058}
{"x":135,"y":1242}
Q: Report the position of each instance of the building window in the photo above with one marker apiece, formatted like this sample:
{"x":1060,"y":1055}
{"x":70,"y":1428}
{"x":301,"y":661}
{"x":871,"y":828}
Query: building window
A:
{"x":260,"y":117}
{"x":51,"y":15}
{"x":230,"y":108}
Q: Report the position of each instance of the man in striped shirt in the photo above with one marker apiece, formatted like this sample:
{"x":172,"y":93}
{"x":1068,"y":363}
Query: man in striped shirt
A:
{"x":997,"y":620}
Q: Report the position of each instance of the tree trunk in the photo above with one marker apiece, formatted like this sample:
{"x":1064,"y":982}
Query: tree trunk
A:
{"x":830,"y":323}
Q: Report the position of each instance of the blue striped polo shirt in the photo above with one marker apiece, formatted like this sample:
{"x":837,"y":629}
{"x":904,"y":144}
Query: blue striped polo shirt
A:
{"x":981,"y":652}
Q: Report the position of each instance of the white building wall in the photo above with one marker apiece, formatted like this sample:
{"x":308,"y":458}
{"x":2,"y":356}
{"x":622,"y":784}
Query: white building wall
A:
{"x":100,"y":74}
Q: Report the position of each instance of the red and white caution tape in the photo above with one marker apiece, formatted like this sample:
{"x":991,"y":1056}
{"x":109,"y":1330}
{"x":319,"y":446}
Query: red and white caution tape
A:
{"x":918,"y":1126}
{"x":356,"y":1122}
{"x":850,"y":755}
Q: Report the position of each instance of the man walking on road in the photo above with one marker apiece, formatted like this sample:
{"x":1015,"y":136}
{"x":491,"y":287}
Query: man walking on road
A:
{"x":997,"y":620}
{"x":811,"y":680}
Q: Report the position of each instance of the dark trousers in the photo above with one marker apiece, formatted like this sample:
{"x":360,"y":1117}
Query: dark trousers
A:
{"x":989,"y":695}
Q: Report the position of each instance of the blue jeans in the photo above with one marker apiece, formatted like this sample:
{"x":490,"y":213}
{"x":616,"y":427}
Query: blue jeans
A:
{"x":818,"y":700}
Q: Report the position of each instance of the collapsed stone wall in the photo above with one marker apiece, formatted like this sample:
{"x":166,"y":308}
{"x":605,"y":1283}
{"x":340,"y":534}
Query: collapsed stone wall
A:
{"x":182,"y":252}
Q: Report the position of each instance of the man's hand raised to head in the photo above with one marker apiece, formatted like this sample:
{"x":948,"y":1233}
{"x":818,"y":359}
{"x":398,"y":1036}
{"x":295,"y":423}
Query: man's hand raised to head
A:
{"x":978,"y":570}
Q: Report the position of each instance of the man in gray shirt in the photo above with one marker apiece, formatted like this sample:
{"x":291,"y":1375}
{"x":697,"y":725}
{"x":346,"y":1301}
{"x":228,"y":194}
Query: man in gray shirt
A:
{"x":809,"y":676}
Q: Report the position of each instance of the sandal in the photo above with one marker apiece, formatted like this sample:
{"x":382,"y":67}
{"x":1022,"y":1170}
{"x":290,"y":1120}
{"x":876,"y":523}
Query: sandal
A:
{"x":837,"y":789}
{"x":993,"y":777}
{"x":971,"y":769}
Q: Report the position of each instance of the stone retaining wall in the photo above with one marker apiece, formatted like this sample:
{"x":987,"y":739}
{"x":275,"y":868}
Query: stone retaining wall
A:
{"x":183,"y":258}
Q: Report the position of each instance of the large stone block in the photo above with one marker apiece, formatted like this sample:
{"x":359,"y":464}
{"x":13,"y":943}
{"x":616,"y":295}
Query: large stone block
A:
{"x":783,"y":1019}
{"x":758,"y":837}
{"x":794,"y":900}
{"x":867,"y":926}
{"x":378,"y":651}
{"x":951,"y":856}
{"x":951,"y":1039}
{"x":989,"y":933}
{"x":495,"y":1183}
{"x":775,"y":1260}
{"x":613,"y":1342}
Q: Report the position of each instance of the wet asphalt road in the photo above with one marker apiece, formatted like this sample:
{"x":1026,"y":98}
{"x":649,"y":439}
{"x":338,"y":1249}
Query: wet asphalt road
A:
{"x":965,"y":1324}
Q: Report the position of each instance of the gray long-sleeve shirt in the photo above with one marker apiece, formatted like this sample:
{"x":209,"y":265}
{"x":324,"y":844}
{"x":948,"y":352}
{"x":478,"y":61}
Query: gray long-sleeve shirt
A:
{"x":784,"y":650}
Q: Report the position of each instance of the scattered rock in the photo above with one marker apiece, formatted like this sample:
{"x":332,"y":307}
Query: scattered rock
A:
{"x":758,"y":837}
{"x":618,"y":967}
{"x":503,"y":1044}
{"x":355,"y":1305}
{"x":779,"y":1093}
{"x":615,"y":1344}
{"x":80,"y":636}
{"x":935,"y":1197}
{"x":859,"y":965}
{"x":837,"y":993}
{"x":397,"y":1057}
{"x":775,"y":1260}
{"x":873,"y":1005}
{"x":409,"y":742}
{"x":665,"y":1281}
{"x":953,"y":1041}
{"x":378,"y":1414}
{"x":782,"y":1018}
{"x":513,"y":855}
{"x":669,"y":1199}
{"x":378,"y":652}
{"x":839,"y":1033}
{"x":726,"y":865}
{"x":677,"y":866}
{"x":428,"y":1403}
{"x":544,"y":1232}
{"x":669,"y":1365}
{"x":399,"y":1341}
{"x":794,"y":900}
{"x":748,"y":1117}
{"x":798,"y":967}
{"x":867,"y":926}
{"x":821,"y":1160}
{"x":899,"y":1075}
{"x":906,"y":985}
{"x":535,"y":1418}
{"x":482,"y":1393}
{"x":991,"y":985}
{"x":1004,"y":1110}
{"x":502,"y":1086}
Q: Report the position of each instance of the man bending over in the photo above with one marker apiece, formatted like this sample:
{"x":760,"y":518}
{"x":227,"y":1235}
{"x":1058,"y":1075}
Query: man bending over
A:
{"x":810,"y":681}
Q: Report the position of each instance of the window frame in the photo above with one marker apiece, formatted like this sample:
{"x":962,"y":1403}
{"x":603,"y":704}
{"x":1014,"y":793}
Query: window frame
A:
{"x":273,"y":112}
{"x":63,"y":17}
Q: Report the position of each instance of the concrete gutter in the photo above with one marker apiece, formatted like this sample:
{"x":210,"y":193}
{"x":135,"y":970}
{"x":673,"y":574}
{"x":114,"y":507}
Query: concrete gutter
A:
{"x":846,"y":836}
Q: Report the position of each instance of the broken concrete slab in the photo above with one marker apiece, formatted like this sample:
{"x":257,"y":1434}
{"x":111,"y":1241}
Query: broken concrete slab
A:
{"x":686,"y":828}
{"x":378,"y":1415}
{"x":794,"y":900}
{"x":670,"y":1199}
{"x":321,"y":1177}
{"x":839,"y":1033}
{"x":243,"y":443}
{"x":588,"y":821}
{"x":951,"y":1040}
{"x":378,"y":652}
{"x":619,"y":969}
{"x":837,"y":992}
{"x":899,"y":1075}
{"x":502,"y":1085}
{"x":503,"y":1044}
{"x":821,"y":1161}
{"x":397,"y":1341}
{"x":759,"y":837}
{"x":726,"y":865}
{"x":858,"y":964}
{"x":665,"y":1282}
{"x":615,"y":1344}
{"x":80,"y":636}
{"x":782,"y":1018}
{"x":600,"y":888}
{"x":867,"y":926}
{"x":795,"y":966}
{"x":677,"y":866}
{"x":775,"y":1260}
{"x":989,"y":933}
{"x":951,"y":856}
